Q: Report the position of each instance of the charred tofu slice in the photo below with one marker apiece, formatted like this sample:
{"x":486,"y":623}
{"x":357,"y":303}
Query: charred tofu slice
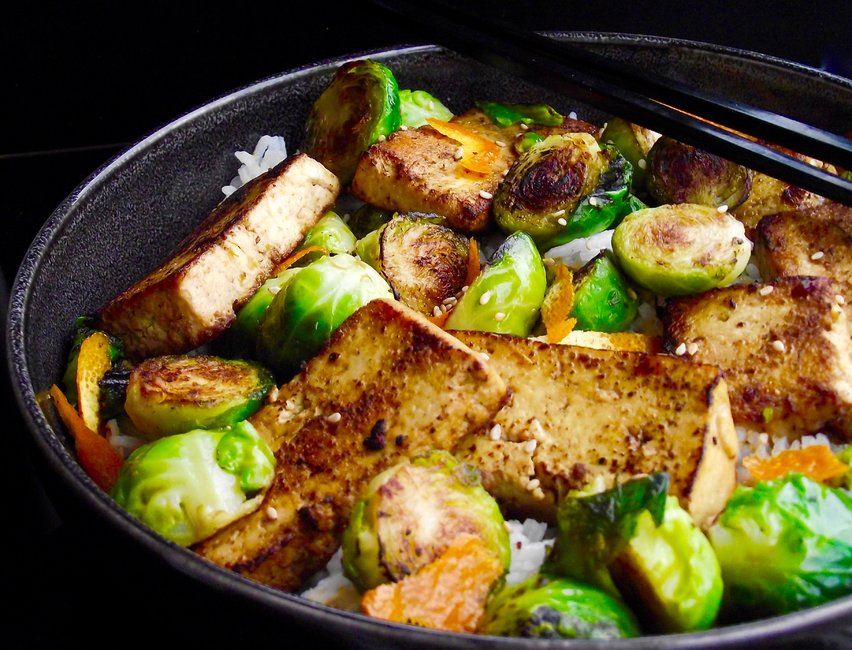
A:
{"x":190,"y":299}
{"x":815,"y":242}
{"x":579,"y":414}
{"x":387,"y":386}
{"x":783,"y":345}
{"x":418,"y":170}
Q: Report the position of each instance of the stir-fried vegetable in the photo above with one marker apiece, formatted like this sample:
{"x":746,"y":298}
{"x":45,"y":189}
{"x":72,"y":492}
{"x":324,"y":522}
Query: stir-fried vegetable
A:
{"x":417,"y":105}
{"x":603,"y":301}
{"x":329,"y":236}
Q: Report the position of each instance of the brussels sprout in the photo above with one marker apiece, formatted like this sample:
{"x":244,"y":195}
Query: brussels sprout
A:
{"x":603,"y":301}
{"x":311,"y":305}
{"x":845,"y":457}
{"x":177,"y":393}
{"x":368,"y":249}
{"x":368,"y":218}
{"x":189,"y":485}
{"x":680,"y":173}
{"x":359,"y":106}
{"x":412,"y":512}
{"x":550,"y":607}
{"x":593,"y":528}
{"x":509,"y":114}
{"x":681,"y":249}
{"x":330,"y":233}
{"x":526,"y":141}
{"x":633,"y":142}
{"x":784,"y":545}
{"x":416,"y":105}
{"x":669,"y":574}
{"x":507,"y":294}
{"x":424,"y":262}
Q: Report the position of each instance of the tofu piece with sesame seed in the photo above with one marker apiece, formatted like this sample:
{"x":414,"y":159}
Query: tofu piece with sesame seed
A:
{"x":578,"y":414}
{"x":816,"y":242}
{"x":388,"y":385}
{"x":784,"y":348}
{"x":190,"y":298}
{"x":418,"y":170}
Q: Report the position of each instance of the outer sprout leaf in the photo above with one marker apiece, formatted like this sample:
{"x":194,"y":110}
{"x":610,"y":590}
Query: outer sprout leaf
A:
{"x":509,"y":114}
{"x":416,"y":105}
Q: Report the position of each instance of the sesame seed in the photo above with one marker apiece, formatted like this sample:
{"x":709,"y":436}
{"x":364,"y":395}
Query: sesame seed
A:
{"x":334,"y":417}
{"x":561,"y":221}
{"x":779,"y":345}
{"x":681,"y":349}
{"x":485,"y":195}
{"x":593,"y":201}
{"x":692,"y":348}
{"x":271,"y":512}
{"x":524,"y":127}
{"x":765,"y":291}
{"x":450,"y":301}
{"x":642,"y":163}
{"x":464,"y":288}
{"x":572,"y":115}
{"x":459,"y":153}
{"x":530,"y":445}
{"x":532,"y":485}
{"x":559,"y":213}
{"x":499,"y":315}
{"x":840,"y":299}
{"x":382,"y":138}
{"x":818,"y":255}
{"x":505,"y":172}
{"x":485,"y":297}
{"x":274,"y":290}
{"x":436,"y":310}
{"x":496,"y":432}
{"x":500,"y":143}
{"x":722,"y":208}
{"x":403,"y":127}
{"x":548,"y":261}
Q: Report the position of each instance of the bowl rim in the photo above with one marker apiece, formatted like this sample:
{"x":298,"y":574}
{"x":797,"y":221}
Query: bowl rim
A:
{"x":65,"y":469}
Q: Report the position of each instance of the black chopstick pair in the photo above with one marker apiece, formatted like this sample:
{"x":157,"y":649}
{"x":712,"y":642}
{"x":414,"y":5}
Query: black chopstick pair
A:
{"x":663,"y":105}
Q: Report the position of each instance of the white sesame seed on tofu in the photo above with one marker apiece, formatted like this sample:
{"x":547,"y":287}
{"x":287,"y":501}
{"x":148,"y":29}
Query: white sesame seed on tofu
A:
{"x":779,"y":346}
{"x":485,"y":194}
{"x":334,"y":418}
{"x":530,"y":445}
{"x":496,"y":432}
{"x":818,"y":255}
{"x":562,"y":221}
{"x":272,"y":513}
{"x":765,"y":291}
{"x":680,"y":350}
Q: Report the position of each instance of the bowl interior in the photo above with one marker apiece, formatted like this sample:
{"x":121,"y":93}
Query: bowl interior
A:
{"x":125,"y":218}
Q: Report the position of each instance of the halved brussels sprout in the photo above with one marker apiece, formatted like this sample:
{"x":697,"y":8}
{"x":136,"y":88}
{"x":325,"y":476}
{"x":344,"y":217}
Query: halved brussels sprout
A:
{"x":189,"y":485}
{"x":330,"y":233}
{"x":310,"y":306}
{"x":416,"y":105}
{"x":177,"y":393}
{"x":603,"y":301}
{"x":412,"y":512}
{"x":359,"y":106}
{"x":368,"y":218}
{"x":677,"y":172}
{"x":509,"y":114}
{"x":424,"y":262}
{"x":784,"y":545}
{"x":681,"y":249}
{"x":550,"y":607}
{"x":633,"y":142}
{"x":507,"y":294}
{"x":668,"y":573}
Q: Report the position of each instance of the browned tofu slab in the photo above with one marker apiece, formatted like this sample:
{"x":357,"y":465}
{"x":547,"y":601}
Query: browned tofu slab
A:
{"x":417,"y":170}
{"x":190,"y":299}
{"x":389,"y":385}
{"x":580,"y":414}
{"x":783,"y":345}
{"x":816,"y":242}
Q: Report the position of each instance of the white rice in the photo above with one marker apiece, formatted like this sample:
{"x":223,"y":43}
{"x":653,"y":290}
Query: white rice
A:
{"x":576,"y":253}
{"x":762,"y":445}
{"x":268,"y":152}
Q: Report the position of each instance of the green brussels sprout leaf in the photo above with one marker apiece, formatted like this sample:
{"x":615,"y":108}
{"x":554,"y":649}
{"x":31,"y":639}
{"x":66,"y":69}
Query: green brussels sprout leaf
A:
{"x":416,"y":105}
{"x":509,"y":114}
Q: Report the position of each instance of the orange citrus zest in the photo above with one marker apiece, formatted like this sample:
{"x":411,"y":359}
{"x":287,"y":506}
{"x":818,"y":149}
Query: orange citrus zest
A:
{"x":473,"y":266}
{"x":447,"y":594}
{"x":815,"y":461}
{"x":97,"y":457}
{"x":557,"y":305}
{"x":478,"y":154}
{"x":93,"y":360}
{"x":295,"y":257}
{"x":441,"y":319}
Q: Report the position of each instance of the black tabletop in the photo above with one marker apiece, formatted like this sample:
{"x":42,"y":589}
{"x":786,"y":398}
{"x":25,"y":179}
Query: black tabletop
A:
{"x":83,"y":81}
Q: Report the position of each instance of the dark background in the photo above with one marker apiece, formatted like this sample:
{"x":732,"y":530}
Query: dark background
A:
{"x":84,"y":80}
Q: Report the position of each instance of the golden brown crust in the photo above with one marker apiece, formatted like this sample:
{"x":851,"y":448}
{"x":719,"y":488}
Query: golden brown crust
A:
{"x":388,"y":385}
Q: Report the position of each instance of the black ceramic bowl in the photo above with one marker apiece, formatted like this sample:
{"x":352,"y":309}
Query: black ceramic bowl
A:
{"x":128,"y":215}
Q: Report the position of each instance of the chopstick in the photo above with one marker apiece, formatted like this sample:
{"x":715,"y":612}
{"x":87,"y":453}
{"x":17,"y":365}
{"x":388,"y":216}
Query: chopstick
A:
{"x":692,"y":116}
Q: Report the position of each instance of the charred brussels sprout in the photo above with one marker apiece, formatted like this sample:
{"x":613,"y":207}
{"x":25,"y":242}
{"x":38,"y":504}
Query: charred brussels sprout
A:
{"x":189,"y":485}
{"x":424,"y":262}
{"x":680,"y":173}
{"x":173,"y":394}
{"x":681,"y":249}
{"x":784,"y":545}
{"x":526,"y":142}
{"x":603,"y":301}
{"x":368,"y":218}
{"x":412,"y":512}
{"x":509,"y":114}
{"x":417,"y":105}
{"x":669,"y":574}
{"x":557,"y":608}
{"x":311,"y":305}
{"x":633,"y":142}
{"x":507,"y":294}
{"x":330,"y":233}
{"x":359,"y":106}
